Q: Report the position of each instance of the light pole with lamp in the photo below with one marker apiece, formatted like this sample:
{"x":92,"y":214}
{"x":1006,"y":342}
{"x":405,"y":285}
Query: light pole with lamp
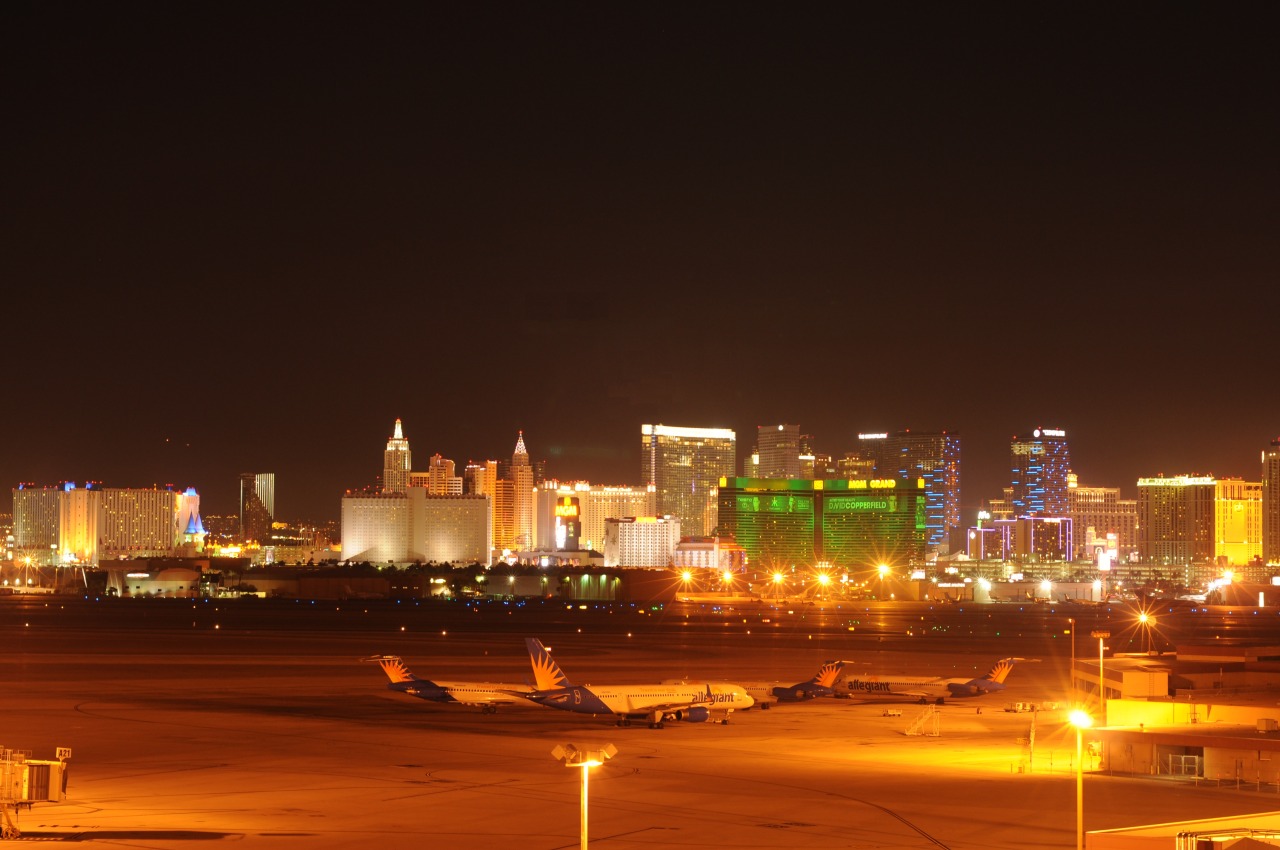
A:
{"x":1071,"y":624}
{"x":1081,"y":720}
{"x":1147,"y":621}
{"x":1101,"y":635}
{"x":585,"y":759}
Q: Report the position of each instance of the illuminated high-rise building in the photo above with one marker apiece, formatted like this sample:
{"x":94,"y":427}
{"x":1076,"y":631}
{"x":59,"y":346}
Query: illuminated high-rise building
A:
{"x":1176,"y":519}
{"x":596,"y":504}
{"x":80,"y":521}
{"x":480,"y":477}
{"x":450,"y":528}
{"x":376,"y":528}
{"x":852,"y":524}
{"x":36,"y":515}
{"x":686,"y":465}
{"x":397,"y":462}
{"x":779,"y":450}
{"x":1039,"y":463}
{"x":84,"y":525}
{"x":1237,"y":524}
{"x":522,"y":495}
{"x":145,"y":521}
{"x":854,"y":465}
{"x":503,"y":500}
{"x":1102,"y":522}
{"x":416,"y":527}
{"x":257,"y":505}
{"x":1271,"y":503}
{"x":934,"y":457}
{"x":646,"y":541}
{"x":439,"y":479}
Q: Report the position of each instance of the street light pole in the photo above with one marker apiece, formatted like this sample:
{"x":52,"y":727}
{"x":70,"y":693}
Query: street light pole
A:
{"x":1102,"y":679}
{"x":1071,"y":621}
{"x":584,"y":759}
{"x":1081,"y":720}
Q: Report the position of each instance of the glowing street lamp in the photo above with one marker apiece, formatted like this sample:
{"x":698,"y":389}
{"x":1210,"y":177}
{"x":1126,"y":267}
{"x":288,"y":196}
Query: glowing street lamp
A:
{"x":1147,"y":622}
{"x":1081,"y":720}
{"x":585,"y":759}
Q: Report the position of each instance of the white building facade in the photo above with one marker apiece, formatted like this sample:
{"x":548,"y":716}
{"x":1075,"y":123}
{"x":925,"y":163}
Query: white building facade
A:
{"x":646,"y":541}
{"x":85,"y":525}
{"x":416,"y":527}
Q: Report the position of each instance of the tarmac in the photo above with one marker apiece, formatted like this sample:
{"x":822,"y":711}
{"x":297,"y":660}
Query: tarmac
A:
{"x":273,"y":734}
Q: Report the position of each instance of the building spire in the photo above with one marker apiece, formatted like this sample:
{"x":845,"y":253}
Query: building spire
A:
{"x":520,"y":449}
{"x":399,"y":433}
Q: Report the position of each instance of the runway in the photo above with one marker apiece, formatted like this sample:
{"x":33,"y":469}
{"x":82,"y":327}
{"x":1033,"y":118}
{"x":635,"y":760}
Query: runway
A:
{"x":259,"y":725}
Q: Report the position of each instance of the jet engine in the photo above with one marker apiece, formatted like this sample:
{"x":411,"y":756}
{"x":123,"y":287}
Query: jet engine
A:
{"x":803,"y":691}
{"x":693,"y":715}
{"x":435,"y":693}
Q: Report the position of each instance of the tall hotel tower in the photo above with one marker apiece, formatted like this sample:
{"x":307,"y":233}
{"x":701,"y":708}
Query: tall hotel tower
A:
{"x":257,"y":505}
{"x":397,"y":463}
{"x":1176,"y":519}
{"x":931,"y":456}
{"x":779,"y":449}
{"x":1271,"y":503}
{"x":1039,"y":463}
{"x":522,"y":495}
{"x":686,"y":465}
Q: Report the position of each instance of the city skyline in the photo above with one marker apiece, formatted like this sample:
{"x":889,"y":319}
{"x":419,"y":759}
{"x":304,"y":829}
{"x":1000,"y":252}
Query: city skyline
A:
{"x":401,"y":435}
{"x":245,"y":240}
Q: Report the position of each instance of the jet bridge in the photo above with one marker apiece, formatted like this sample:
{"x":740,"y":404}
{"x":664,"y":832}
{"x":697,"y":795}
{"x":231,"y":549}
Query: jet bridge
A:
{"x":25,"y":781}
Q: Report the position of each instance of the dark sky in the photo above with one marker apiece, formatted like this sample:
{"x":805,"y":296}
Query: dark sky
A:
{"x":247,"y":237}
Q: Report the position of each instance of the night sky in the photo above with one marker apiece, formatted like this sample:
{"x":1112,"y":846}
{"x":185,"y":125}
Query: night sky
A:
{"x":248,"y":237}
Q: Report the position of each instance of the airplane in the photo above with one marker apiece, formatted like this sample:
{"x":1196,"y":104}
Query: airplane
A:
{"x":485,"y":695}
{"x":823,"y":684}
{"x":926,"y":688}
{"x":691,"y":702}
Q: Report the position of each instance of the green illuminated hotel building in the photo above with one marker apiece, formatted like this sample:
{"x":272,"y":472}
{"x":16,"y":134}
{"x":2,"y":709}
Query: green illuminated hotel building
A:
{"x":859,"y":523}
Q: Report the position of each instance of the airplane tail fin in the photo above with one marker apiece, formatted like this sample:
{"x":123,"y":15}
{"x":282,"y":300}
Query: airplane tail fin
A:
{"x":546,"y":672}
{"x":394,"y":668}
{"x":828,"y":674}
{"x":1000,"y":671}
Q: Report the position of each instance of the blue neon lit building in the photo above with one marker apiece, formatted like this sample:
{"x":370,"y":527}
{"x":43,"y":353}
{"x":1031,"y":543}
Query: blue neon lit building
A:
{"x":931,"y":456}
{"x":1039,"y":464}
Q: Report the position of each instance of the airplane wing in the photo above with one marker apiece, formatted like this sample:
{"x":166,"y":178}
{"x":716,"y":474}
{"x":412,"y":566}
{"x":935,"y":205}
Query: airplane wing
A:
{"x":639,"y":706}
{"x":898,"y":695}
{"x":486,"y":695}
{"x":483,"y":702}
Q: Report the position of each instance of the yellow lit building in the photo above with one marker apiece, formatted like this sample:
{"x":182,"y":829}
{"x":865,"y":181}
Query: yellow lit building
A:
{"x":1237,"y":520}
{"x":597,"y":503}
{"x":685,"y":465}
